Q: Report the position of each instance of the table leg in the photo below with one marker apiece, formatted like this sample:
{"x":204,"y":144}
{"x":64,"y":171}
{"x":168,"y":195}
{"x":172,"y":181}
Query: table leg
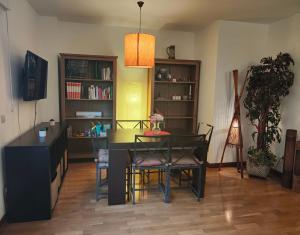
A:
{"x":118,"y":161}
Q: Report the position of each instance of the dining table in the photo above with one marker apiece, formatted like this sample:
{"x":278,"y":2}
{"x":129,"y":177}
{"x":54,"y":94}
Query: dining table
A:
{"x":119,"y":142}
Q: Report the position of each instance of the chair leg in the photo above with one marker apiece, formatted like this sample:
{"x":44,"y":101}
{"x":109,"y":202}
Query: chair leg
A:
{"x":180,"y":176}
{"x":199,"y":183}
{"x":167,"y":186}
{"x":128,"y":183}
{"x":97,"y":184}
{"x":133,"y":185}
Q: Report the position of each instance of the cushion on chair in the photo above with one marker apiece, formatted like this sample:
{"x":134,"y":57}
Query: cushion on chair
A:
{"x":103,"y":156}
{"x":102,"y":164}
{"x":148,"y":159}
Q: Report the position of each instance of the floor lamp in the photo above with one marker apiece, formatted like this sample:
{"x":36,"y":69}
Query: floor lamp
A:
{"x":234,"y":137}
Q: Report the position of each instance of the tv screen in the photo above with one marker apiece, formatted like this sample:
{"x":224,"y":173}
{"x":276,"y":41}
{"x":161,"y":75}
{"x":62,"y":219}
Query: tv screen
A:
{"x":35,"y":77}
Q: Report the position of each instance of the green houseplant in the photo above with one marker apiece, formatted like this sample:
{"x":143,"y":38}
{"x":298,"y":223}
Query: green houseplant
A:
{"x":268,"y":83}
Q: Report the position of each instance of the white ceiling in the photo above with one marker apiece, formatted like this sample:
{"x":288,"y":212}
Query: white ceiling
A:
{"x":166,"y":14}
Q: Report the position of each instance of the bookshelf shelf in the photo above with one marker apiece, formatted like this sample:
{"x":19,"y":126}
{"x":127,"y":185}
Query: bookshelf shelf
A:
{"x":78,"y":75}
{"x":87,"y":100}
{"x":86,"y":80}
{"x":174,"y":83}
{"x":89,"y":118}
{"x":181,"y":113}
{"x":85,"y":137}
{"x":158,"y":100}
{"x":178,"y":117}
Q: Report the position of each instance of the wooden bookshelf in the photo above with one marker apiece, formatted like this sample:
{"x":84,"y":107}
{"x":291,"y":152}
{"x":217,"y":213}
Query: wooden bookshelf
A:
{"x":182,"y":113}
{"x":86,"y":70}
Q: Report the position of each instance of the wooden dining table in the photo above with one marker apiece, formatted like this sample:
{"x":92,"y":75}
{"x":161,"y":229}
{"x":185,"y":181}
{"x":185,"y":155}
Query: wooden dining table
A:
{"x":119,"y":142}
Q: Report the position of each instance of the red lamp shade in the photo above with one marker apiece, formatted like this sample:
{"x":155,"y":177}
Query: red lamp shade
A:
{"x":139,"y":50}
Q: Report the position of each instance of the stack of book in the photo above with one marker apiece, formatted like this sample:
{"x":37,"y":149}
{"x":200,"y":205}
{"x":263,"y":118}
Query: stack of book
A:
{"x":73,"y":90}
{"x":99,"y":92}
{"x":76,"y":68}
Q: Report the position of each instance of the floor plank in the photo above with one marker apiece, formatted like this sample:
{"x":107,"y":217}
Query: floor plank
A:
{"x":231,"y":206}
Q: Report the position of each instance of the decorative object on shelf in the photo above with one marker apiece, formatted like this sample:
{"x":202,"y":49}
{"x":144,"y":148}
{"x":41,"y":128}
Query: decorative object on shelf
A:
{"x":185,"y":97}
{"x":106,"y":74}
{"x":174,"y":80}
{"x":69,"y":131}
{"x":52,"y":122}
{"x":163,"y":74}
{"x":171,"y":52}
{"x":234,"y":135}
{"x":42,"y":132}
{"x":269,"y":82}
{"x":139,"y":47}
{"x":88,"y":114}
{"x":155,"y":120}
{"x":190,"y":93}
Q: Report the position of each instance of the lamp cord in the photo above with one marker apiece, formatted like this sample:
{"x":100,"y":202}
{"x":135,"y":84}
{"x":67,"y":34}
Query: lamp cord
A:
{"x":140,"y":4}
{"x":140,"y":28}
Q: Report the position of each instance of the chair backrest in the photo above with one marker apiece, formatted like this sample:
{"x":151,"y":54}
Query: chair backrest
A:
{"x":187,"y":141}
{"x":202,"y":152}
{"x":153,"y":144}
{"x":129,"y":124}
{"x":97,"y":144}
{"x":146,"y":124}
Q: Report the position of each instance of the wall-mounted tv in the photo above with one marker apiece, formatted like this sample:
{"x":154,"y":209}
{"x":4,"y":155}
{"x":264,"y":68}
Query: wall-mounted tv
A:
{"x":35,"y":77}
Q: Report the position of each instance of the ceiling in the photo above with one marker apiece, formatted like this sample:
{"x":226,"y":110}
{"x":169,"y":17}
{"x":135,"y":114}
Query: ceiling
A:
{"x":186,"y":15}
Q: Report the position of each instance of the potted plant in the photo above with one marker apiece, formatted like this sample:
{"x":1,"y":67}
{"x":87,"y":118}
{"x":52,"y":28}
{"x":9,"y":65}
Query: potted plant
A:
{"x":268,"y":83}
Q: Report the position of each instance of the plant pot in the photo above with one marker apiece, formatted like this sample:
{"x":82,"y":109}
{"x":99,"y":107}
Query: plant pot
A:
{"x":257,"y":170}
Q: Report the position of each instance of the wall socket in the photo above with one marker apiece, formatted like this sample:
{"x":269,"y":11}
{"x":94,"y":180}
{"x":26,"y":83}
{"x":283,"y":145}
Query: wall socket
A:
{"x":2,"y":119}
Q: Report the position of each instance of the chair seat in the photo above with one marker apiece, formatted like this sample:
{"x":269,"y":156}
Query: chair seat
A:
{"x":103,"y":156}
{"x":179,"y":160}
{"x":147,"y":159}
{"x":101,"y":165}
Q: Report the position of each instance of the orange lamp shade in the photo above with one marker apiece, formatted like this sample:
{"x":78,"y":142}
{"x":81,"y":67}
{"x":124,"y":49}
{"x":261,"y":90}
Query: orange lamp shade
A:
{"x":139,"y":50}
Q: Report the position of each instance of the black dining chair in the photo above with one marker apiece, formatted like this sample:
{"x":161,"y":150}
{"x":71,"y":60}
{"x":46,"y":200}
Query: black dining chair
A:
{"x":129,"y":124}
{"x":151,"y":153}
{"x":101,"y":158}
{"x":187,"y":154}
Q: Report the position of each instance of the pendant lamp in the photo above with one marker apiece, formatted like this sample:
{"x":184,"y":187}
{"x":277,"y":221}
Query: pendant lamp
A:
{"x":139,"y":48}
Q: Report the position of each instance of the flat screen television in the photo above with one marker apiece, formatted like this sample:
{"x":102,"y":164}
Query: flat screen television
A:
{"x":35,"y":77}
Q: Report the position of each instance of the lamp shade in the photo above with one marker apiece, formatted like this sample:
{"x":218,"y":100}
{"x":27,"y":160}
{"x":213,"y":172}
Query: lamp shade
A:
{"x":139,"y":49}
{"x":234,"y":136}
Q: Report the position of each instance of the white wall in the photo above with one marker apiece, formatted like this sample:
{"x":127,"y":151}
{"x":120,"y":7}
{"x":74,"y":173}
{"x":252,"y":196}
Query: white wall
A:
{"x":284,"y":36}
{"x":207,"y":45}
{"x":22,"y":28}
{"x":226,"y":45}
{"x":57,"y":37}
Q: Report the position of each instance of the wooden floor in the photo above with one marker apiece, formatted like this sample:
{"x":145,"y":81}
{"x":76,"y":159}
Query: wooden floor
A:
{"x":231,"y":206}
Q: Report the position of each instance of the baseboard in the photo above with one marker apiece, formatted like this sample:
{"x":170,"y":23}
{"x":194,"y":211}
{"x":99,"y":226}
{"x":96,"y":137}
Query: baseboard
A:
{"x":224,"y":164}
{"x":275,"y":173}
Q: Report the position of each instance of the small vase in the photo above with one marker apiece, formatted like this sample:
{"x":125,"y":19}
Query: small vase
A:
{"x":156,"y":128}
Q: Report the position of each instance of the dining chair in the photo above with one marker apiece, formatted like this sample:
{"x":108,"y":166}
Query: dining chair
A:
{"x":202,"y":151}
{"x":183,"y":158}
{"x":129,"y":124}
{"x":151,"y":153}
{"x":146,"y":124}
{"x":101,"y":158}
